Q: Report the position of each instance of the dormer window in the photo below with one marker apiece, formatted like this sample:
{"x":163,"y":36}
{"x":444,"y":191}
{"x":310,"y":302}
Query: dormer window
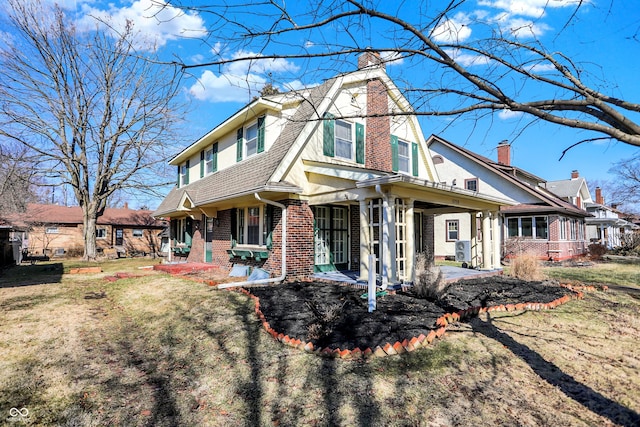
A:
{"x":344,"y":140}
{"x":404,"y":157}
{"x":250,"y":139}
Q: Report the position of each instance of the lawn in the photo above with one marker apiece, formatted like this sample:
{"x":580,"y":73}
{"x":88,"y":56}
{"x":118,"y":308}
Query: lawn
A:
{"x":78,"y":349}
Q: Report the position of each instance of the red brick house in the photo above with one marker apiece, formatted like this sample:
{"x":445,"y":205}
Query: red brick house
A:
{"x":55,"y":230}
{"x":317,"y":180}
{"x":536,"y":220}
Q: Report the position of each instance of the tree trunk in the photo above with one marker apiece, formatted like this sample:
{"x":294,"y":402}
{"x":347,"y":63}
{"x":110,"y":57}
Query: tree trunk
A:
{"x":89,"y":235}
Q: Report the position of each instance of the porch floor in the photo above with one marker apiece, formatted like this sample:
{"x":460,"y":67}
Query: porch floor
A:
{"x":450,"y":273}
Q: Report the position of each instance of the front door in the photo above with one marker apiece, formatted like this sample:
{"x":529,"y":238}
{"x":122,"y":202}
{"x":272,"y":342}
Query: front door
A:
{"x":119,"y":236}
{"x":331,"y":238}
{"x":208,"y":238}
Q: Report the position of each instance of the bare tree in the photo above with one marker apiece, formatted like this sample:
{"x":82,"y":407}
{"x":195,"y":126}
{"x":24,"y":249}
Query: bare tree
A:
{"x":17,"y":179}
{"x":452,"y":74}
{"x":96,"y":111}
{"x":625,"y":188}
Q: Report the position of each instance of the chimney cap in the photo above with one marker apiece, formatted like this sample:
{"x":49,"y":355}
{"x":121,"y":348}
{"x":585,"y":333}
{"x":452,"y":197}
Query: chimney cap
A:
{"x":504,"y":142}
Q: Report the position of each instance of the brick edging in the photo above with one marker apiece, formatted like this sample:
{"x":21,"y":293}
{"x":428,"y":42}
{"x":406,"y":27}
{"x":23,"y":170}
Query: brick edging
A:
{"x":414,"y":343}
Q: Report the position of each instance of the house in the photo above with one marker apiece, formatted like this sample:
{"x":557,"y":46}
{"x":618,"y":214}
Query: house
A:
{"x":574,"y":190}
{"x":606,"y":227}
{"x":535,"y":221}
{"x":55,"y":230}
{"x":335,"y":177}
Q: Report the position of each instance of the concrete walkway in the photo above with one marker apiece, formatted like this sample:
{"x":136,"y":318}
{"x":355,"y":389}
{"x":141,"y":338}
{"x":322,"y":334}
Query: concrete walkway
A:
{"x":450,"y":273}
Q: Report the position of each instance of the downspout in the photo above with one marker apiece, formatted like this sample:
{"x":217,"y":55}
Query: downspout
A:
{"x":284,"y":251}
{"x":382,"y":269}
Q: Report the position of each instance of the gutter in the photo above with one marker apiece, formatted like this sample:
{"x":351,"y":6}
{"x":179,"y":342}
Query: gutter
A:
{"x":284,"y":251}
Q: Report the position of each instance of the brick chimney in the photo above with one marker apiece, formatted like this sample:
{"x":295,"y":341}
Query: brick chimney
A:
{"x":126,"y":205}
{"x":599,"y":198}
{"x":575,"y":174}
{"x":370,"y":60}
{"x":504,"y":153}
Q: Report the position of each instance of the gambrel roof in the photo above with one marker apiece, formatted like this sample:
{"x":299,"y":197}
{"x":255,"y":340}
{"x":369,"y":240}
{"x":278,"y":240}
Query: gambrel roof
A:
{"x":255,"y":173}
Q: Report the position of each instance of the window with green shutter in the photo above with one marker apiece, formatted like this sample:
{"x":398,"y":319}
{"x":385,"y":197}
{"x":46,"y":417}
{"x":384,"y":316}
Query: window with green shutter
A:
{"x":261,"y":134}
{"x":239,"y":141}
{"x":360,"y":143}
{"x":328,"y":135}
{"x":394,"y":153}
{"x":414,"y":158}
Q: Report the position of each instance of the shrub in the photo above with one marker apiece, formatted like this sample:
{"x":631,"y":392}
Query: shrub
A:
{"x":596,"y":250}
{"x":526,"y":267}
{"x":429,"y":282}
{"x":326,"y":316}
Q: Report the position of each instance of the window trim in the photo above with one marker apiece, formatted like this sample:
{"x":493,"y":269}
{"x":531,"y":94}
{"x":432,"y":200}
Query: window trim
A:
{"x":104,"y":230}
{"x":52,"y":230}
{"x":133,"y":233}
{"x":534,"y":227}
{"x":470,"y":180}
{"x":242,"y":226}
{"x":352,"y":148}
{"x":408,"y":157}
{"x":448,"y":230}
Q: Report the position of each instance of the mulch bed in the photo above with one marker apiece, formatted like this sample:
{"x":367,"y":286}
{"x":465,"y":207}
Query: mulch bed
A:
{"x":336,"y":316}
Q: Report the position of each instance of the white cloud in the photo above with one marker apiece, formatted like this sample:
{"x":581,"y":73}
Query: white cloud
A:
{"x":466,"y":59}
{"x":452,"y":30}
{"x":239,"y":81}
{"x":226,"y":87}
{"x":523,"y":28}
{"x":156,"y":21}
{"x":392,"y":58}
{"x":530,"y":8}
{"x":308,"y":44}
{"x":508,"y":114}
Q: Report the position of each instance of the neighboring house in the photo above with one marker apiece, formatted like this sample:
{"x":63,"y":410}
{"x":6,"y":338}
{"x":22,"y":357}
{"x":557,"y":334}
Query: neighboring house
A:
{"x":317,"y":180}
{"x":574,"y":190}
{"x":58,"y":230}
{"x":11,"y":240}
{"x":536,"y":221}
{"x":607,"y":227}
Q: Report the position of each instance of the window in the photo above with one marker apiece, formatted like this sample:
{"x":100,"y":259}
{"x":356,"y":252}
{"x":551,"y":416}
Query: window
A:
{"x":453,"y":226}
{"x":471,"y":184}
{"x":404,"y":157}
{"x":211,"y":159}
{"x":251,"y":140}
{"x":253,"y":225}
{"x":137,"y":233}
{"x":528,"y":227}
{"x":563,"y":228}
{"x":344,"y":140}
{"x":52,"y":230}
{"x":572,"y":229}
{"x":101,"y":233}
{"x":184,"y":174}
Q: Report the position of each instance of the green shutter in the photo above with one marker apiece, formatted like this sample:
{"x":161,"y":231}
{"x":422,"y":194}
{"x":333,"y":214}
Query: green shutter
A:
{"x":202,"y":164}
{"x":214,"y":160}
{"x":360,"y":143}
{"x":394,"y":153}
{"x":328,"y":138}
{"x":186,"y":175}
{"x":178,"y":181}
{"x":414,"y":158}
{"x":239,"y":140}
{"x":260,"y":134}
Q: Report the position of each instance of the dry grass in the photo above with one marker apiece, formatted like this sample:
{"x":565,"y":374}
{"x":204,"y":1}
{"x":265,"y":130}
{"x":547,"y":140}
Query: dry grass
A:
{"x":160,"y":350}
{"x":526,"y":266}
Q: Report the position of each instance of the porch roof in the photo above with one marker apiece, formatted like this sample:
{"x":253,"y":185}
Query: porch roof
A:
{"x":430,"y":187}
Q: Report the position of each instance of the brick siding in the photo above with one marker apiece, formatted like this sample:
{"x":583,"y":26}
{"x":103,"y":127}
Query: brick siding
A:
{"x":378,"y":129}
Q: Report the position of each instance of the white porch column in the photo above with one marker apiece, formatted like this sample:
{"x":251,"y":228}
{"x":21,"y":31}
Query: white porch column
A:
{"x":486,"y":241}
{"x":411,"y":247}
{"x":496,"y":239}
{"x":388,"y":246}
{"x":365,"y":241}
{"x":474,"y":239}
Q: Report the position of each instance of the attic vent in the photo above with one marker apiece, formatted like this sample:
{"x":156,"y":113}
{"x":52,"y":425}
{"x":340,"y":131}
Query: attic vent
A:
{"x":437,"y":160}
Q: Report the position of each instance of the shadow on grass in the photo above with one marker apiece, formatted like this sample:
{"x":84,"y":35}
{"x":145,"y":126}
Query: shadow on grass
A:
{"x":29,"y":275}
{"x":581,"y":393}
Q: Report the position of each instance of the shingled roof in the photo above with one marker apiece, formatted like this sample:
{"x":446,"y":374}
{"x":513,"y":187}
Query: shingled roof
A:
{"x":55,"y":214}
{"x":550,"y":202}
{"x":253,"y":174}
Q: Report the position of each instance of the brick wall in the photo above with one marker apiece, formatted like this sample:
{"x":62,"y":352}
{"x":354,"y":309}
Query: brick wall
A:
{"x":197,"y":242}
{"x":378,"y":129}
{"x":300,"y":255}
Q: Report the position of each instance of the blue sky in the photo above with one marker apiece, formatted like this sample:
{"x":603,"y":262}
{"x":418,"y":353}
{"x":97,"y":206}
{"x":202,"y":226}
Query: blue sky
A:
{"x":601,"y":38}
